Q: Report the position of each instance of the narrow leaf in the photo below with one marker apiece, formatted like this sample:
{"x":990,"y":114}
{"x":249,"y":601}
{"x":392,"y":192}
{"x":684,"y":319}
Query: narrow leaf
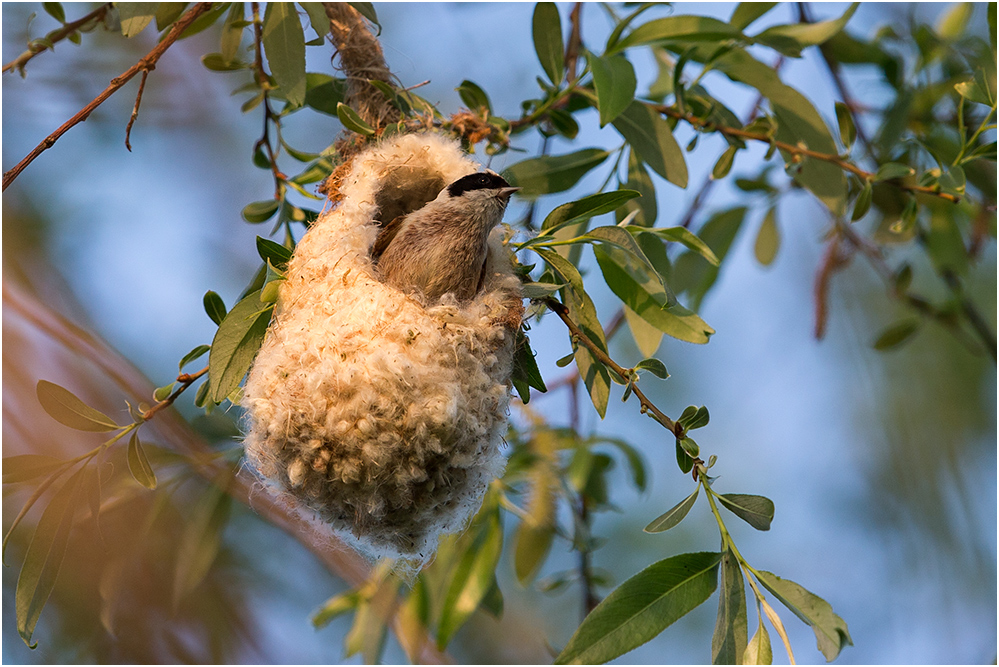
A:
{"x":472,"y":580}
{"x":830,"y":630}
{"x":138,"y":464}
{"x":29,"y":466}
{"x":728,"y":644}
{"x":284,"y":44}
{"x":747,"y":12}
{"x":847,"y":130}
{"x":45,"y":555}
{"x":768,"y":239}
{"x":680,"y":28}
{"x":642,"y":607}
{"x":685,"y":237}
{"x":757,"y":511}
{"x":135,"y":16}
{"x":235,"y":345}
{"x":334,"y":607}
{"x":259,"y":211}
{"x":896,"y":334}
{"x":759,"y":651}
{"x":675,"y":514}
{"x":653,"y":366}
{"x":651,"y":137}
{"x":553,"y":173}
{"x":200,"y":541}
{"x":352,"y":121}
{"x":63,"y":406}
{"x":585,"y":208}
{"x":863,"y":203}
{"x":892,"y":170}
{"x":196,"y":353}
{"x":547,"y":32}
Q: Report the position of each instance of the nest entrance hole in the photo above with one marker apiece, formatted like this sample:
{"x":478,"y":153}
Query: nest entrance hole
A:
{"x":402,"y":191}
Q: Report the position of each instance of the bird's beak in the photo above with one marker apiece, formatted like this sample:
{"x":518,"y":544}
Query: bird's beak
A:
{"x":504,"y":193}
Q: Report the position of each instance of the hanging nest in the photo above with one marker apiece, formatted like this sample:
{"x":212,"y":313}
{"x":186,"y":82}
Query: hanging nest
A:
{"x":381,"y":414}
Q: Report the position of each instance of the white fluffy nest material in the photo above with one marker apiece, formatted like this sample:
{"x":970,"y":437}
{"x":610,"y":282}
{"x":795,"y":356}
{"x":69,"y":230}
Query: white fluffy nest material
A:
{"x":380,"y":414}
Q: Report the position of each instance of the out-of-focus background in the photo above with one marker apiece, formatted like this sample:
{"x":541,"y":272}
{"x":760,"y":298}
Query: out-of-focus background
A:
{"x":882,"y":466}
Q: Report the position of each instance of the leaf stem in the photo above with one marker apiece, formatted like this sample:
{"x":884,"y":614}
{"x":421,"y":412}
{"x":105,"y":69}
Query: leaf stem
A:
{"x":62,"y":33}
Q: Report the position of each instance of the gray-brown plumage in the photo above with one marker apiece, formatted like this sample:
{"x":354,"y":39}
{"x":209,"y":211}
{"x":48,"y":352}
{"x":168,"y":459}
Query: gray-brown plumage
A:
{"x":441,"y":247}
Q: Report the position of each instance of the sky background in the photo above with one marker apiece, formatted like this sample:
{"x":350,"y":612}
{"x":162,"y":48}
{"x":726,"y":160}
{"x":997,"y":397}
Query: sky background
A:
{"x":882,"y":466}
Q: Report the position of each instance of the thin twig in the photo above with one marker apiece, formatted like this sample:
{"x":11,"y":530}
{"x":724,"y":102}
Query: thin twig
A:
{"x":55,"y":37}
{"x":269,"y":115}
{"x":135,"y":109}
{"x":802,"y":151}
{"x":145,"y":64}
{"x":601,"y":356}
{"x":185,"y":380}
{"x":574,"y":45}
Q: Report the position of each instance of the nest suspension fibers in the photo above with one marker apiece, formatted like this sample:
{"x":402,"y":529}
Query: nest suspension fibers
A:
{"x":381,"y":414}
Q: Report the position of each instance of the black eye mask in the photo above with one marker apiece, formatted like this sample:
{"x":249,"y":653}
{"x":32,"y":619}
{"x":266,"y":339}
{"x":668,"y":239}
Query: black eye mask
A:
{"x":478,"y":181}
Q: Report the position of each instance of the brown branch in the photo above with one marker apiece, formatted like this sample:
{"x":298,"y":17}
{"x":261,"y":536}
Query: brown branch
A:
{"x":145,"y":64}
{"x":601,"y":356}
{"x":135,"y":109}
{"x":575,"y":43}
{"x":832,"y":261}
{"x":54,"y":37}
{"x":796,"y":150}
{"x":185,"y":380}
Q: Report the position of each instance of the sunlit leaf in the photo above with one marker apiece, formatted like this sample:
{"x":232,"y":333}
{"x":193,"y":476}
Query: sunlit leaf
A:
{"x":685,"y":237}
{"x":29,"y":466}
{"x":642,"y":607}
{"x":685,"y":27}
{"x":553,"y":173}
{"x":135,"y":16}
{"x":790,"y":39}
{"x":63,"y":406}
{"x":336,"y":606}
{"x":759,"y":651}
{"x":44,"y":556}
{"x":585,"y":208}
{"x":284,"y":45}
{"x":235,"y":345}
{"x":747,"y":12}
{"x":138,"y":464}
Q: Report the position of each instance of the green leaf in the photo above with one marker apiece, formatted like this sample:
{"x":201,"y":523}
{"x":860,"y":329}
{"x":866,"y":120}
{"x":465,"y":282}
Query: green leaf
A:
{"x":685,"y":237}
{"x":689,"y":446}
{"x":653,"y":366}
{"x":847,"y":130}
{"x":635,"y":461}
{"x":642,"y":607}
{"x":797,"y":121}
{"x":472,"y":579}
{"x":547,"y":32}
{"x":679,"y":28}
{"x":473,"y":96}
{"x":367,"y":10}
{"x":728,"y":644}
{"x":674,"y":516}
{"x":694,"y":417}
{"x":790,"y":39}
{"x":214,"y":306}
{"x":562,"y":122}
{"x":199,"y":543}
{"x":161,"y":393}
{"x":553,"y":173}
{"x":759,"y":651}
{"x":217,"y":63}
{"x":45,"y":555}
{"x":651,"y":137}
{"x":29,"y":466}
{"x":259,"y":211}
{"x":768,"y":239}
{"x":235,"y":345}
{"x":204,"y":21}
{"x":168,"y":12}
{"x":138,"y":464}
{"x":747,"y":12}
{"x":863,"y":203}
{"x":323,"y":92}
{"x":334,"y":607}
{"x":135,"y":16}
{"x":493,"y":601}
{"x":525,"y":369}
{"x":532,"y":544}
{"x":684,"y":461}
{"x":539,"y":290}
{"x":976,"y":89}
{"x":830,"y":630}
{"x":647,"y":298}
{"x":614,"y":81}
{"x":640,"y":181}
{"x":896,"y":334}
{"x":275,"y":253}
{"x":757,"y":511}
{"x":55,"y":10}
{"x":63,"y":406}
{"x":352,"y":121}
{"x":284,"y":44}
{"x":647,"y":337}
{"x":724,"y":163}
{"x":951,"y":25}
{"x":318,"y":19}
{"x":195,"y":353}
{"x":892,"y":170}
{"x":584,"y":209}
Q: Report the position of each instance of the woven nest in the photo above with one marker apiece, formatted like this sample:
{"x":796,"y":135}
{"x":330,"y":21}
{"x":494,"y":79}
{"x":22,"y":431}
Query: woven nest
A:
{"x":381,"y":414}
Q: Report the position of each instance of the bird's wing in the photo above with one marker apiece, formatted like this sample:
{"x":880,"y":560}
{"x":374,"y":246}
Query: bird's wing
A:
{"x":385,"y":236}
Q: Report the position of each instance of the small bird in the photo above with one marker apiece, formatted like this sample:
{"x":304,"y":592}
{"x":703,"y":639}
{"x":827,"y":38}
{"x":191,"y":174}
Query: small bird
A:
{"x":442,"y":246}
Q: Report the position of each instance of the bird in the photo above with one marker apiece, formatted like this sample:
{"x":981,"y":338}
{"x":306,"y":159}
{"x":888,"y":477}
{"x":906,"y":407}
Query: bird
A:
{"x":441,"y":247}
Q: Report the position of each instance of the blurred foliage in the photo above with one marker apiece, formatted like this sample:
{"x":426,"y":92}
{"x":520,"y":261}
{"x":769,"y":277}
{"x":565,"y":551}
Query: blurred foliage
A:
{"x":908,"y":189}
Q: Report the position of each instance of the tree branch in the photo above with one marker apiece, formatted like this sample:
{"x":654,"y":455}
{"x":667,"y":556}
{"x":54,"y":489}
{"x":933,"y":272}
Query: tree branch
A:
{"x":145,"y":64}
{"x":840,"y":162}
{"x":601,"y":356}
{"x":56,"y":36}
